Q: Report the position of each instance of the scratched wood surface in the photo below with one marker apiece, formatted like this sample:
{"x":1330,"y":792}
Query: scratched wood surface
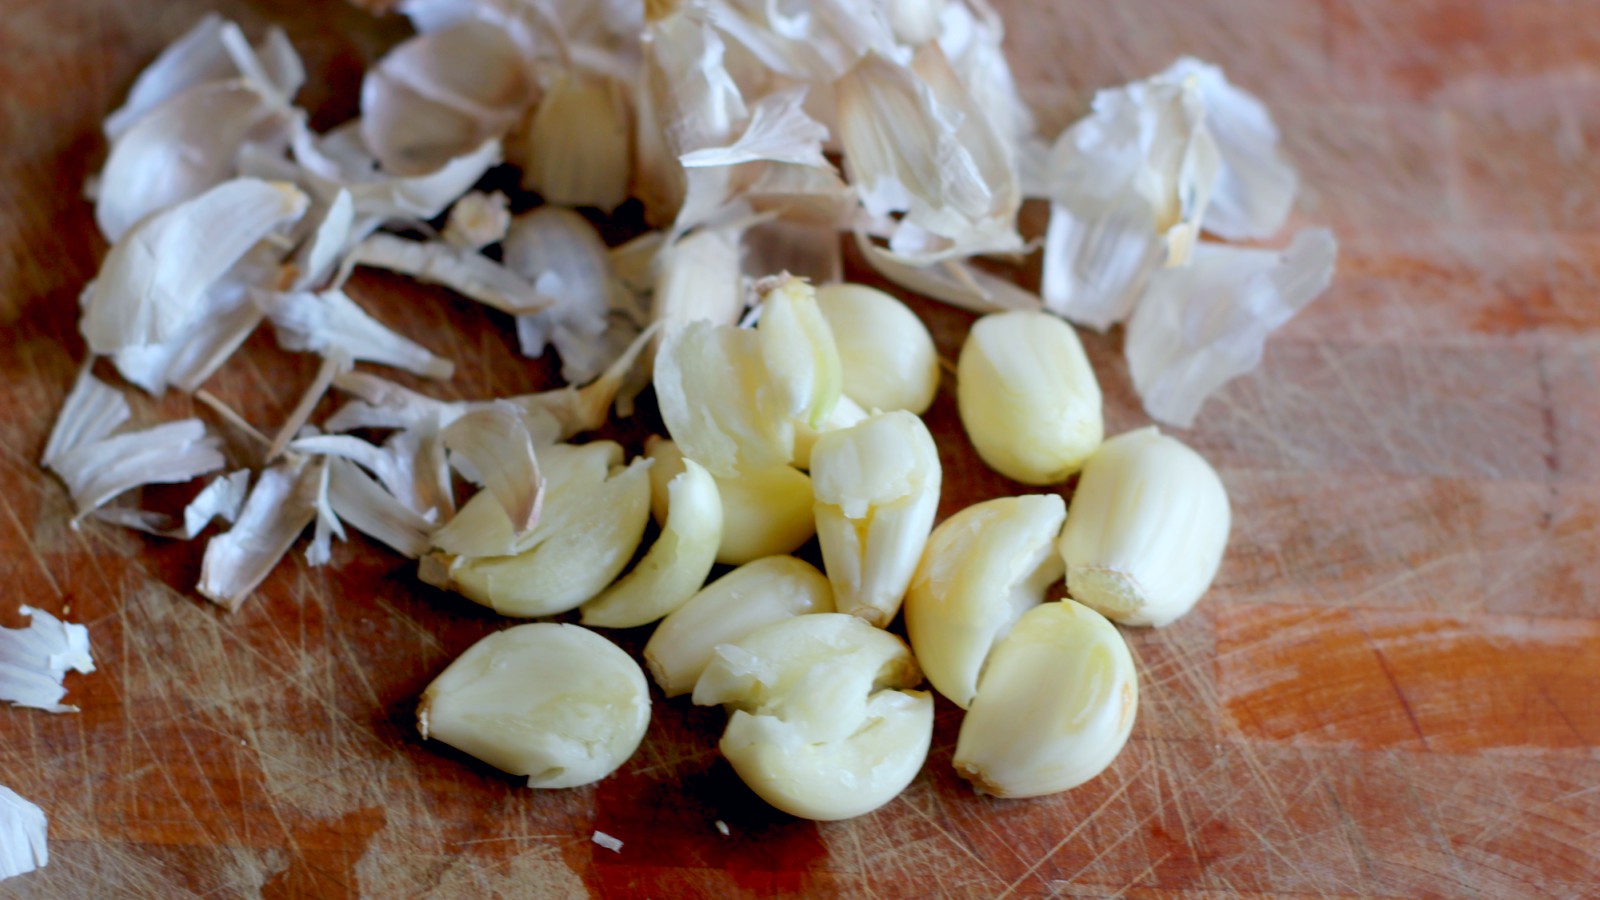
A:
{"x":1392,"y":690}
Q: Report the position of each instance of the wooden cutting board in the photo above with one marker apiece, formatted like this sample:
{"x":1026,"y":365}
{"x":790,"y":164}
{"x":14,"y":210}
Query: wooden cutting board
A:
{"x":1393,"y":688}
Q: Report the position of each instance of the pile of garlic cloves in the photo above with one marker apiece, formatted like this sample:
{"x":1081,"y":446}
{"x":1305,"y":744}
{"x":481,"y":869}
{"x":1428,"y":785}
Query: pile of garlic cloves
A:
{"x":756,"y":137}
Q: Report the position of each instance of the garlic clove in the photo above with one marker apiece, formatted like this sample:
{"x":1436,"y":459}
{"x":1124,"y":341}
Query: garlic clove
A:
{"x":556,"y":703}
{"x":1027,"y":396}
{"x":885,"y":352}
{"x":765,"y":512}
{"x":757,"y":593}
{"x":593,"y":517}
{"x":820,"y":726}
{"x":983,"y":568}
{"x":840,"y":779}
{"x":1146,"y":529}
{"x":816,"y":670}
{"x":576,"y":148}
{"x":845,"y":413}
{"x":677,"y":563}
{"x":1054,"y":707}
{"x":877,"y":490}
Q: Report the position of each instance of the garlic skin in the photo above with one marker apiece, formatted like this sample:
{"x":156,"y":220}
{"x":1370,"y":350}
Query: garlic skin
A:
{"x":877,"y":490}
{"x":756,"y":594}
{"x":983,"y":568}
{"x":1027,"y":396}
{"x":556,"y":703}
{"x":820,"y":725}
{"x":577,"y":147}
{"x":1054,"y":707}
{"x":885,"y":352}
{"x":593,"y":516}
{"x":677,"y":563}
{"x":1146,"y":529}
{"x":765,"y":512}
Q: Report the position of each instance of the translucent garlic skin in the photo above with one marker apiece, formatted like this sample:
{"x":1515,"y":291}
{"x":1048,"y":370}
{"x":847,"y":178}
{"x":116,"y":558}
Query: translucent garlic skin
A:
{"x":821,"y":725}
{"x":1027,"y":396}
{"x":1054,"y":707}
{"x":557,"y":703}
{"x":983,"y":568}
{"x":877,"y":489}
{"x":1146,"y":530}
{"x":886,"y":352}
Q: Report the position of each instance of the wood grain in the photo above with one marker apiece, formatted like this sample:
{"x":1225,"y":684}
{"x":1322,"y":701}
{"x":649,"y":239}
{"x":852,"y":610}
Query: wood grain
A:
{"x":1390,"y":692}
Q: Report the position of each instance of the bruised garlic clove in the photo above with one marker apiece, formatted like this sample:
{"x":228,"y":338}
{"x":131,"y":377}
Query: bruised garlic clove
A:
{"x":983,"y":568}
{"x":592,"y":518}
{"x":676,"y":565}
{"x":820,"y":727}
{"x":885,"y":352}
{"x":845,"y":413}
{"x":1146,"y":529}
{"x":1054,"y":707}
{"x":557,"y":703}
{"x":755,"y":594}
{"x":765,"y":512}
{"x":877,"y":489}
{"x":833,"y":780}
{"x":1027,"y":396}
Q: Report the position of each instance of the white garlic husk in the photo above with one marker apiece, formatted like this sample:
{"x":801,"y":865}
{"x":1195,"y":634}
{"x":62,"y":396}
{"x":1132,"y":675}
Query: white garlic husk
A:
{"x":1146,"y":529}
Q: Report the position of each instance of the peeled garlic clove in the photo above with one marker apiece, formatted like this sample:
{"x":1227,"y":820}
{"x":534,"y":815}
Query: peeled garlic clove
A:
{"x":593,"y":517}
{"x":820,"y":727}
{"x":1146,"y":529}
{"x":676,"y":565}
{"x":1054,"y":707}
{"x":815,"y":670}
{"x":576,"y":150}
{"x":798,"y":352}
{"x":755,"y":594}
{"x":833,"y":780}
{"x":877,"y":489}
{"x":885,"y":352}
{"x":983,"y":568}
{"x":765,"y":512}
{"x":1027,"y":396}
{"x":557,"y":703}
{"x":845,"y":413}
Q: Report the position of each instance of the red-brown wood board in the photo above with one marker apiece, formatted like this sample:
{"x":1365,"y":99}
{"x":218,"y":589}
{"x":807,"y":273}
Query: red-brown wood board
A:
{"x":1393,"y":688}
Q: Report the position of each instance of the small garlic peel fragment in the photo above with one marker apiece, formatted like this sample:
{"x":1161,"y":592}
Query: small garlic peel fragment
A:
{"x":22,"y":835}
{"x":34,"y":659}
